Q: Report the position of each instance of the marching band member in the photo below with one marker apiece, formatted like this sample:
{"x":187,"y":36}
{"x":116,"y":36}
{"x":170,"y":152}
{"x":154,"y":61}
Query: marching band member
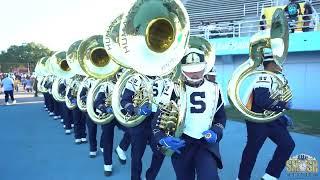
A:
{"x":108,"y":132}
{"x":66,"y":112}
{"x":46,"y":102}
{"x":142,"y":133}
{"x":56,"y":110}
{"x":276,"y":130}
{"x":50,"y":105}
{"x":79,"y":120}
{"x":197,"y":150}
{"x":92,"y":128}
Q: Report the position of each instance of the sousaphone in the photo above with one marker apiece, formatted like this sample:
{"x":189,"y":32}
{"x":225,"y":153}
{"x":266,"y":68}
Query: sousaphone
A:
{"x":276,"y":39}
{"x":97,"y":63}
{"x":153,"y":37}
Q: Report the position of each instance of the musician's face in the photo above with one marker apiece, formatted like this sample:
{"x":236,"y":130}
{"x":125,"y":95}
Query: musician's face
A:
{"x":194,"y":71}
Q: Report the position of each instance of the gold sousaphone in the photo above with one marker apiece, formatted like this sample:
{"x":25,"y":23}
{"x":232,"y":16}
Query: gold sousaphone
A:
{"x":153,"y":37}
{"x":73,"y":83}
{"x":61,"y":71}
{"x":98,"y":64}
{"x":72,"y":58}
{"x":87,"y":83}
{"x":276,"y":39}
{"x":41,"y":72}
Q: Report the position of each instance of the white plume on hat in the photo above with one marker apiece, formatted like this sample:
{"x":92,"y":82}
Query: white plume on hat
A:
{"x":192,"y":56}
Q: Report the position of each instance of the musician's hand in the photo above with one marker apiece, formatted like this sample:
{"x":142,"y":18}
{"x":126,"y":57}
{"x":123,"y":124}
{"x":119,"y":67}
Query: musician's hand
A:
{"x":145,"y":110}
{"x":109,"y":110}
{"x":83,"y":98}
{"x":129,"y":109}
{"x":74,"y":101}
{"x":172,"y":143}
{"x":210,"y":136}
{"x":101,"y":109}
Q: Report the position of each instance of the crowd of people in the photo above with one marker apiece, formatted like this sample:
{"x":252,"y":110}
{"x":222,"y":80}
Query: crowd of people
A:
{"x":16,"y":82}
{"x":293,"y":11}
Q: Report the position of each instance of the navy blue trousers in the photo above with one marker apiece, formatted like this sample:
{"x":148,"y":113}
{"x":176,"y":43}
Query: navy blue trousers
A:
{"x":257,"y":134}
{"x":50,"y":103}
{"x":7,"y":94}
{"x":61,"y":106}
{"x":67,"y":116}
{"x":92,"y":133}
{"x":140,"y":136}
{"x":194,"y":161}
{"x":79,"y":120}
{"x":45,"y":97}
{"x":56,"y":108}
{"x":108,"y":135}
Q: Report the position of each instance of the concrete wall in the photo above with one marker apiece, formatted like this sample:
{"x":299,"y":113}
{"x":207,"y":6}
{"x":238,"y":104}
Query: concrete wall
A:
{"x":301,"y":69}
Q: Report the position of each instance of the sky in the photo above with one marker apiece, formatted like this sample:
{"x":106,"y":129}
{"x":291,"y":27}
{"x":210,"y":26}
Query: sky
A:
{"x":55,"y":23}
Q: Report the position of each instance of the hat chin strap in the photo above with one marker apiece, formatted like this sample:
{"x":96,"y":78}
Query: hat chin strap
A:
{"x":192,"y":81}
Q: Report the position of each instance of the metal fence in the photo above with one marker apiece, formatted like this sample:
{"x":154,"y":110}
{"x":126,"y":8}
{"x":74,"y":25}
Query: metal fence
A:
{"x":249,"y":27}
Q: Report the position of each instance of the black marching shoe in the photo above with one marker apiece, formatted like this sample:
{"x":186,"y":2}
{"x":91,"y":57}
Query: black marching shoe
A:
{"x":107,"y":170}
{"x":107,"y":173}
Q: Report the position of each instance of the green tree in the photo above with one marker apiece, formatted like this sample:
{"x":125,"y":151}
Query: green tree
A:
{"x":26,"y":54}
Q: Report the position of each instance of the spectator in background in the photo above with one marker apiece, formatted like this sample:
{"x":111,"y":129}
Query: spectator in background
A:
{"x":293,"y":9}
{"x":28,"y":84}
{"x":1,"y":77}
{"x":35,"y":87}
{"x":23,"y":82}
{"x":16,"y":84}
{"x":263,"y":22}
{"x":307,"y":18}
{"x":7,"y":84}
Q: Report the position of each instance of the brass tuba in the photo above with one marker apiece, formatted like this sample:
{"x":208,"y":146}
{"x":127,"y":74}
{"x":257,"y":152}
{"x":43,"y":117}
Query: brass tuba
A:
{"x":143,"y":95}
{"x":86,"y":84}
{"x":72,"y":88}
{"x":111,"y":43}
{"x":99,"y":86}
{"x":41,"y":72}
{"x":61,"y":70}
{"x":153,"y":34}
{"x":100,"y":66}
{"x":155,"y":40}
{"x":46,"y":75}
{"x":277,"y":39}
{"x":72,"y":83}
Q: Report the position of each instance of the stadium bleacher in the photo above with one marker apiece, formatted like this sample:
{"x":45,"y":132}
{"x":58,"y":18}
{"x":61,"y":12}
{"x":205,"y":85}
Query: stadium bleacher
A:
{"x":215,"y":11}
{"x":229,"y":18}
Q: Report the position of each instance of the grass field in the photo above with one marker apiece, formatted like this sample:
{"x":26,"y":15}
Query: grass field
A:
{"x":306,"y":122}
